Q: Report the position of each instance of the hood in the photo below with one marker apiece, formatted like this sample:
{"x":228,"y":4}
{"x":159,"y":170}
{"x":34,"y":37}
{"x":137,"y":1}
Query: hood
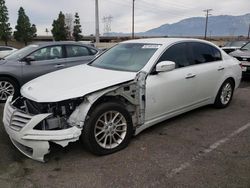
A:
{"x":240,"y":53}
{"x":73,"y":82}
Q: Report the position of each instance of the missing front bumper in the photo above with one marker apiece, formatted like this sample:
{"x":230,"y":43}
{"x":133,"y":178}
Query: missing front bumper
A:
{"x":31,"y":142}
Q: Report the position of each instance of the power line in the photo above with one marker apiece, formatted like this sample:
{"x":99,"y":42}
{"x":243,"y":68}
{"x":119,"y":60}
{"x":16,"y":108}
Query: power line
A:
{"x":146,"y":6}
{"x":207,"y":14}
{"x":166,"y":5}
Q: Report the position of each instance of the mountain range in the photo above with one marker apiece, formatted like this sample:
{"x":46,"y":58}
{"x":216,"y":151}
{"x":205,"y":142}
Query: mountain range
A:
{"x":223,"y":25}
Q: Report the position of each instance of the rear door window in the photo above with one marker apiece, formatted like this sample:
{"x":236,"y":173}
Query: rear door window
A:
{"x":204,"y":53}
{"x":78,"y":51}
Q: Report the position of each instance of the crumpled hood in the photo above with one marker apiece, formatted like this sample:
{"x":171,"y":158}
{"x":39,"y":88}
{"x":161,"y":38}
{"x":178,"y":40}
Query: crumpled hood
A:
{"x":72,"y":82}
{"x":240,"y":53}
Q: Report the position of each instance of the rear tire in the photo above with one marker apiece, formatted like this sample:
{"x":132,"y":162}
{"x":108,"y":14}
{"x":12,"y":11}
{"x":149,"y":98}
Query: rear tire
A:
{"x":225,"y":94}
{"x":108,"y":129}
{"x":8,"y":87}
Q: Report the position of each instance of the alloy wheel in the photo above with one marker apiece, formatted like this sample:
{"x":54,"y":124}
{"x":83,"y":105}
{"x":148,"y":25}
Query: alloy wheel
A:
{"x":6,"y":90}
{"x":226,"y":93}
{"x":110,"y":129}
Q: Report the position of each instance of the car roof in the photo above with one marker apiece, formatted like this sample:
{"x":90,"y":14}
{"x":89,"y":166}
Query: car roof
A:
{"x":163,"y":41}
{"x":60,"y":43}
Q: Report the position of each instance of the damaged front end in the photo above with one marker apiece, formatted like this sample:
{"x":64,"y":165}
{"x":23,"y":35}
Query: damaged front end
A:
{"x":31,"y":126}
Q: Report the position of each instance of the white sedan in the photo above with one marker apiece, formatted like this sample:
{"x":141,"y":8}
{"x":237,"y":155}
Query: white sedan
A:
{"x":6,"y":50}
{"x":127,"y":89}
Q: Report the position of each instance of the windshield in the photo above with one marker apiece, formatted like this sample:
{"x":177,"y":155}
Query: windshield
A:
{"x":126,"y":57}
{"x":235,"y":44}
{"x":246,"y":47}
{"x":21,"y":53}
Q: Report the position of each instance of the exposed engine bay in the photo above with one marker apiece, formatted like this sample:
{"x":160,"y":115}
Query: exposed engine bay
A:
{"x":60,"y":112}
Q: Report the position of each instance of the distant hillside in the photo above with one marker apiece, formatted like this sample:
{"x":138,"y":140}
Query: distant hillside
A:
{"x":223,"y":25}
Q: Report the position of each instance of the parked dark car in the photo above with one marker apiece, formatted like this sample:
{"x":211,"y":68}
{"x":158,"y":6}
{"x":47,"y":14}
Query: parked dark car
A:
{"x":243,"y":55}
{"x":37,"y":59}
{"x":233,"y":45}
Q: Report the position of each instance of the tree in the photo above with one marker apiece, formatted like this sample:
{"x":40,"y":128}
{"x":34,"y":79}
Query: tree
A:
{"x":25,"y":32}
{"x":77,"y":28}
{"x":5,"y":29}
{"x":59,"y":29}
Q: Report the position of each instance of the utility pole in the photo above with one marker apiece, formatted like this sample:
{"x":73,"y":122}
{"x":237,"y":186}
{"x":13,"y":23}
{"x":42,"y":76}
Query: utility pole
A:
{"x":133,"y":19}
{"x":207,"y":14}
{"x":97,"y":33}
{"x":248,"y":32}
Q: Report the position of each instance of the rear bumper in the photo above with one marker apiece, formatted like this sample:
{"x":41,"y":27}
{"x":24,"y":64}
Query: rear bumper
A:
{"x":31,"y":142}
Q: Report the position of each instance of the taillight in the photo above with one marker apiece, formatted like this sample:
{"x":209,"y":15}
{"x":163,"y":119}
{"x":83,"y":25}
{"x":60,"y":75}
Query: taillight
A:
{"x":240,"y":65}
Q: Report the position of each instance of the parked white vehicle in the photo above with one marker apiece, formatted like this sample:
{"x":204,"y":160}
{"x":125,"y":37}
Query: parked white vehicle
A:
{"x":127,"y":89}
{"x":6,"y":50}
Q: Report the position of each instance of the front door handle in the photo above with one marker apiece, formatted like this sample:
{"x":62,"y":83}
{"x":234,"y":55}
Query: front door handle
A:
{"x":59,"y":66}
{"x":220,"y":68}
{"x":190,"y":75}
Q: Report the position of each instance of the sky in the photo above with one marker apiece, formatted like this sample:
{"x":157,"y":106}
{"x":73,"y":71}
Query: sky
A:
{"x":148,"y":13}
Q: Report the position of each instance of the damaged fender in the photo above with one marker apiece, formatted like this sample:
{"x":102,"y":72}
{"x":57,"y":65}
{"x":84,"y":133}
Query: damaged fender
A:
{"x":133,"y":92}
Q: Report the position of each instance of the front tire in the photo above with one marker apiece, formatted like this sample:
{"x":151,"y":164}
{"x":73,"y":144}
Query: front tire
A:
{"x":108,"y":129}
{"x":8,"y":87}
{"x":225,"y":94}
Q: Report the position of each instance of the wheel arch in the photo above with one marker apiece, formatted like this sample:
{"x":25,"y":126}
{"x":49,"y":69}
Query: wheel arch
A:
{"x":108,"y":98}
{"x":128,"y":101}
{"x":11,"y":77}
{"x":231,"y":79}
{"x":130,"y":107}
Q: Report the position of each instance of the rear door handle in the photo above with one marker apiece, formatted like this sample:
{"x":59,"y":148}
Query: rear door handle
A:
{"x":59,"y":66}
{"x":190,"y":75}
{"x":220,"y":68}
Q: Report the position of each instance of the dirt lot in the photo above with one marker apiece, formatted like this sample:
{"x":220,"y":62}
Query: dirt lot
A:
{"x":203,"y":148}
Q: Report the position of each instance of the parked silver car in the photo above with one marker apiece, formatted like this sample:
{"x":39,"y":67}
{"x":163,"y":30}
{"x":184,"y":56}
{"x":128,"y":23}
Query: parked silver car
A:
{"x":38,"y":59}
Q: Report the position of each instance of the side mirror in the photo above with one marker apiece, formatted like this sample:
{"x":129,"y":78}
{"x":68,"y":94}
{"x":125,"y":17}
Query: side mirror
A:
{"x":165,"y":66}
{"x":28,"y":59}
